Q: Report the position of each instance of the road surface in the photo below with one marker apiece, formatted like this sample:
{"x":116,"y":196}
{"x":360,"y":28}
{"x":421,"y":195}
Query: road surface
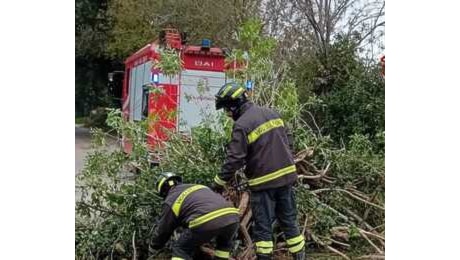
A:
{"x":82,"y":147}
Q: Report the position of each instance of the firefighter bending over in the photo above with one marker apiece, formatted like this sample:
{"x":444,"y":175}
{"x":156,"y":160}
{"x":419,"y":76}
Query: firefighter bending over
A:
{"x":260,"y":141}
{"x":203,"y":213}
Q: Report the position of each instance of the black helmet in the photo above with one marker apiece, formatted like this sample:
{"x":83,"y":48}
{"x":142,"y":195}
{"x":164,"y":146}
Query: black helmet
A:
{"x":230,"y":95}
{"x":165,"y":182}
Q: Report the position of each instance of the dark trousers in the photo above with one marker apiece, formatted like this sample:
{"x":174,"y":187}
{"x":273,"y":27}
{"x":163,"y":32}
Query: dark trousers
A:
{"x":271,"y":204}
{"x":189,"y":241}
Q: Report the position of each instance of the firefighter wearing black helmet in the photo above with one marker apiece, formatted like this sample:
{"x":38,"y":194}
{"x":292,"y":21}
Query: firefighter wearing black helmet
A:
{"x":204,"y":214}
{"x":261,"y":143}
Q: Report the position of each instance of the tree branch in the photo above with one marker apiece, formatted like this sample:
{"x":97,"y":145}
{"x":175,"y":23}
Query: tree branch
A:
{"x":370,"y":242}
{"x":329,"y":247}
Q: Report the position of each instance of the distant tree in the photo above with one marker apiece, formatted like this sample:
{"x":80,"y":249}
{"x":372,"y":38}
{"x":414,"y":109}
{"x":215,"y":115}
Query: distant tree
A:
{"x":92,"y":26}
{"x":307,"y":25}
{"x":135,"y":23}
{"x":331,"y":47}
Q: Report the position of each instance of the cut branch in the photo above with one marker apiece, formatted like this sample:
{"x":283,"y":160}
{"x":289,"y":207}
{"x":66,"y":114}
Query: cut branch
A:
{"x":370,"y":242}
{"x":317,"y":240}
{"x":372,"y":234}
{"x":351,"y":195}
{"x":134,"y":246}
{"x":371,"y":257}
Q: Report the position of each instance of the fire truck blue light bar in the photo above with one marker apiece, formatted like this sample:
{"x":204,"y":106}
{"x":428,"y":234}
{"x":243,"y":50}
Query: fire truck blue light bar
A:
{"x":205,"y":43}
{"x":249,"y":85}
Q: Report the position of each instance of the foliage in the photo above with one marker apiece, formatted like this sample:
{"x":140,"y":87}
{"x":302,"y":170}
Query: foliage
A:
{"x":256,"y":59}
{"x":113,"y":207}
{"x":344,"y":95}
{"x":92,"y":26}
{"x":91,"y":89}
{"x":171,"y":63}
{"x":97,"y":118}
{"x":80,"y":120}
{"x":137,"y":22}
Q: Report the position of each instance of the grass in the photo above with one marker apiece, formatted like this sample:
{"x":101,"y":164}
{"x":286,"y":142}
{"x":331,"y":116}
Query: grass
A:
{"x":80,"y":120}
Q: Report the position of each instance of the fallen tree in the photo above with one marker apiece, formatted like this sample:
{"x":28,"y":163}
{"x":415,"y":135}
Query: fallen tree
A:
{"x":340,"y":195}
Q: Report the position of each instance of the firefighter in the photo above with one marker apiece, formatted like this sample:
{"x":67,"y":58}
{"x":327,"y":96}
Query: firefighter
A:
{"x":261,"y":143}
{"x":204,"y":214}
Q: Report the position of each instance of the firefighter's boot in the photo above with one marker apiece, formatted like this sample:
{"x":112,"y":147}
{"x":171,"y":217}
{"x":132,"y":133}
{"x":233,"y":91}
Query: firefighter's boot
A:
{"x":300,"y":255}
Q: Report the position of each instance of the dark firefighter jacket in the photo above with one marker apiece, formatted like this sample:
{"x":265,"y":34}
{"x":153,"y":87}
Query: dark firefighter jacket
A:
{"x":259,"y":141}
{"x":195,"y":207}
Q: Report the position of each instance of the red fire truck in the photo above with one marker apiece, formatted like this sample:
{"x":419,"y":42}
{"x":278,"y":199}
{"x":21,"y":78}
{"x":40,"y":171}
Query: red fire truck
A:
{"x":181,"y":101}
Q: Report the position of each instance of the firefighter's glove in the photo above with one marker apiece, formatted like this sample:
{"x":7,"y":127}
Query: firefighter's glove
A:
{"x":216,"y":188}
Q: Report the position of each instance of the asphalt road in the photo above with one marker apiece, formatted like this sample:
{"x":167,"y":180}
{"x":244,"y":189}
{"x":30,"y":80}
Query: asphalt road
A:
{"x":82,"y":147}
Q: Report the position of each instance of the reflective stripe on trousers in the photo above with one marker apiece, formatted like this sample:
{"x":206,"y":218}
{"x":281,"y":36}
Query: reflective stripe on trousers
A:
{"x":264,"y":247}
{"x":296,"y":244}
{"x":222,"y":254}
